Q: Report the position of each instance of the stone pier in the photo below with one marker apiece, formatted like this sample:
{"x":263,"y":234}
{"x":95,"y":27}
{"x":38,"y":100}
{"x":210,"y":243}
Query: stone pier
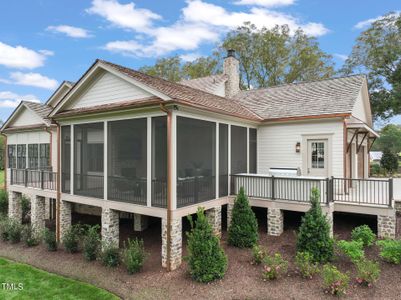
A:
{"x":14,"y":206}
{"x":110,"y":227}
{"x":141,"y":222}
{"x":213,"y":216}
{"x":229,"y":214}
{"x":275,"y":221}
{"x":175,"y":243}
{"x":65,"y":217}
{"x":38,"y":213}
{"x":386,"y":226}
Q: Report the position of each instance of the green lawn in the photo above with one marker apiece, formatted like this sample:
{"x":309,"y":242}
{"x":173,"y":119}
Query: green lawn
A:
{"x":38,"y":284}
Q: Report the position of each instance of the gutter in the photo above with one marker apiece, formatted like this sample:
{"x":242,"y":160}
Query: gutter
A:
{"x":169,"y":182}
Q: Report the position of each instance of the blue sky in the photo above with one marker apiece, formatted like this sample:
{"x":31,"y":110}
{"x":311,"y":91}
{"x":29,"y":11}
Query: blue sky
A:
{"x":44,"y":42}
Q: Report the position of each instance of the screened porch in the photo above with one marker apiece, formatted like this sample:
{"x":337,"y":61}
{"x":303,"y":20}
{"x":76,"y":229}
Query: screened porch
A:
{"x":126,"y":160}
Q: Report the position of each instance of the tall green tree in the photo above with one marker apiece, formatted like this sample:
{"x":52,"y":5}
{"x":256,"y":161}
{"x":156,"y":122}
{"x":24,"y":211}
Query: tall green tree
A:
{"x":167,"y":68}
{"x":377,"y":51}
{"x":274,"y":56}
{"x":390,"y":138}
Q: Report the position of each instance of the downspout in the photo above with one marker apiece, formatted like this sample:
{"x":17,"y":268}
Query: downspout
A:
{"x":5,"y":161}
{"x":169,"y":183}
{"x":58,"y":185}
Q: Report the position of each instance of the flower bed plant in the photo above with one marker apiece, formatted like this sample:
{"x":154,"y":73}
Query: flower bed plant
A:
{"x":274,"y":266}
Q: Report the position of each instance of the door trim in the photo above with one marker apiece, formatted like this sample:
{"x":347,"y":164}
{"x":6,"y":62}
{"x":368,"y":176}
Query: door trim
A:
{"x":304,"y":151}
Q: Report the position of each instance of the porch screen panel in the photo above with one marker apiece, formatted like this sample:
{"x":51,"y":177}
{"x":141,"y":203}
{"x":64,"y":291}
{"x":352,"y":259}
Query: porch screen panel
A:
{"x":196,"y":174}
{"x":65,"y":159}
{"x":21,"y":156}
{"x":252,"y":150}
{"x":127,"y":156}
{"x":159,"y":161}
{"x":238,"y":150}
{"x":223,"y":160}
{"x":88,"y":160}
{"x":44,"y":156}
{"x":33,"y":156}
{"x":12,"y":156}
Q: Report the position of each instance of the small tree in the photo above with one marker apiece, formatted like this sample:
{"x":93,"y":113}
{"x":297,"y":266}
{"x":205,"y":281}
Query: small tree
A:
{"x":243,"y":230}
{"x":389,"y":161}
{"x":314,"y":233}
{"x":206,"y":259}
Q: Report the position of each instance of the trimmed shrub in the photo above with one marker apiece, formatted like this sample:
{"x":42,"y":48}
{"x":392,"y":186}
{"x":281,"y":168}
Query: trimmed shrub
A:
{"x":71,"y":238}
{"x":134,"y":255}
{"x":3,"y":202}
{"x":352,"y":249}
{"x":334,"y":282}
{"x":274,"y":266}
{"x":314,"y":232}
{"x":243,"y":230}
{"x":110,"y":256}
{"x":306,"y":265}
{"x":91,"y":242}
{"x":258,"y":254}
{"x":368,"y":272}
{"x":390,"y":250}
{"x":206,"y":259}
{"x":4,"y":224}
{"x":29,"y":236}
{"x":49,"y":238}
{"x":25,"y":208}
{"x":14,"y":231}
{"x":364,"y":234}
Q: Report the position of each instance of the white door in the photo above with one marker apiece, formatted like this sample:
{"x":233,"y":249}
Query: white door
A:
{"x":317,"y":158}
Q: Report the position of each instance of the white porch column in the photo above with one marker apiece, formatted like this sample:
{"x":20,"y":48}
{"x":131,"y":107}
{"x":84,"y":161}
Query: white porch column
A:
{"x":175,"y":246}
{"x":110,"y":227}
{"x":38,"y":213}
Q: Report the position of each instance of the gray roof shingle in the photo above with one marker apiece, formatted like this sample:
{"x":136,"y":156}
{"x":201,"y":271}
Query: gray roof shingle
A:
{"x":210,"y":84}
{"x":321,"y":97}
{"x":41,"y":110}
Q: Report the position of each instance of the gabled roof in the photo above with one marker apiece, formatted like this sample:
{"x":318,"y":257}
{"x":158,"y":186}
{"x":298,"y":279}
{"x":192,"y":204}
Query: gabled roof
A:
{"x":210,"y":84}
{"x":168,"y":92}
{"x":41,"y":110}
{"x":59,"y":93}
{"x":322,"y":97}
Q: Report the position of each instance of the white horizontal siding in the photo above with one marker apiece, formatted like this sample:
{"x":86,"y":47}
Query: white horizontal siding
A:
{"x":25,"y":118}
{"x":276,"y":144}
{"x":31,"y":137}
{"x":106,"y":89}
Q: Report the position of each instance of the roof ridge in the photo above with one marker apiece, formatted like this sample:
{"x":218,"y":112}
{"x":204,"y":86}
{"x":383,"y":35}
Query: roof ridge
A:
{"x":305,"y":82}
{"x":203,"y":77}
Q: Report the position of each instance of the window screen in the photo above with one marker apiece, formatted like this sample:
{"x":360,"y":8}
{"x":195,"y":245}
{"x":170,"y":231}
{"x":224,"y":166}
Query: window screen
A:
{"x":33,"y":156}
{"x":238,"y":150}
{"x":21,"y":156}
{"x":44,"y":156}
{"x":88,"y":160}
{"x":196,"y":142}
{"x":12,"y":156}
{"x":252,"y":150}
{"x":65,"y":159}
{"x":223,"y":160}
{"x":159,"y":161}
{"x":127,"y":158}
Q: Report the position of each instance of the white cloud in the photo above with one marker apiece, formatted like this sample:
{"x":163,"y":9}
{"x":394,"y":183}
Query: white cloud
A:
{"x":366,"y":23}
{"x":188,"y":57}
{"x":70,"y":31}
{"x":199,"y":23}
{"x":46,"y":52}
{"x":33,"y":79}
{"x":342,"y":57}
{"x":20,"y":57}
{"x":10,"y":99}
{"x":265,"y":3}
{"x":123,"y":15}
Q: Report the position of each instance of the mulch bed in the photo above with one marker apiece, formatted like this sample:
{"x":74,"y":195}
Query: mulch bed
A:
{"x":242,"y":280}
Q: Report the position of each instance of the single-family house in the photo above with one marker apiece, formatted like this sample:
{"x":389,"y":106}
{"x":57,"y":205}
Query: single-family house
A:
{"x":120,"y":142}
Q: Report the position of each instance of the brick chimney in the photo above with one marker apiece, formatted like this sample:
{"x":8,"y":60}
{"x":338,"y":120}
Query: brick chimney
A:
{"x":231,"y":69}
